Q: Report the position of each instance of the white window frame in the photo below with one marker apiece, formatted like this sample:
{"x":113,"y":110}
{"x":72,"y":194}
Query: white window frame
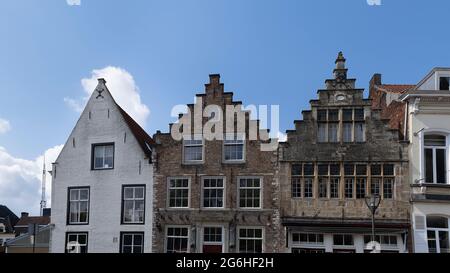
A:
{"x":194,"y":138}
{"x":202,"y":238}
{"x":261,"y":182}
{"x":308,"y":245}
{"x":384,"y":247}
{"x":235,"y":138}
{"x":69,"y":220}
{"x":169,"y":188}
{"x":78,"y":234}
{"x":223,"y":193}
{"x":263,"y":236}
{"x":436,"y":231}
{"x":188,"y":237}
{"x":103,"y":145}
{"x":443,"y":132}
{"x":344,"y":247}
{"x":134,"y":199}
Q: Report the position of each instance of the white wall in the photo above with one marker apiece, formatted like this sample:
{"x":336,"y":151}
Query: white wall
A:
{"x":73,"y":169}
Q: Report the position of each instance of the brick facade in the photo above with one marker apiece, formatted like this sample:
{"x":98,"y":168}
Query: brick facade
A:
{"x":169,"y":163}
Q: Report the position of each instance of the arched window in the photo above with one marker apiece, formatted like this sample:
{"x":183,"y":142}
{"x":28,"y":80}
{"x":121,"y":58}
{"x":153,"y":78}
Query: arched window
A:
{"x":435,"y":151}
{"x":437,"y":233}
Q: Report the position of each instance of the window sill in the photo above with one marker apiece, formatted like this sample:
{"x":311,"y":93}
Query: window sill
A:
{"x":233,"y":162}
{"x":104,"y":169}
{"x":77,"y":224}
{"x":190,"y":163}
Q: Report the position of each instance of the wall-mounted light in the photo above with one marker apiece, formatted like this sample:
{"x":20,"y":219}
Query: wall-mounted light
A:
{"x":417,"y":133}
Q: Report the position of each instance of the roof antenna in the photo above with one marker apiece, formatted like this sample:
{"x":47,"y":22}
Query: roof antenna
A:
{"x":43,"y":198}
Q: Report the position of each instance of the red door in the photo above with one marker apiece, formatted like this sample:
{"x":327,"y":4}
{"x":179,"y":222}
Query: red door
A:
{"x":212,"y":248}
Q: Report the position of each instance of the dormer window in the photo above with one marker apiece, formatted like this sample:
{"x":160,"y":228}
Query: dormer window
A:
{"x":444,"y":83}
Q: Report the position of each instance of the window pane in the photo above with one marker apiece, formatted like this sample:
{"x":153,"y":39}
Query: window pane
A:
{"x":323,"y":188}
{"x":347,"y":114}
{"x":333,"y":115}
{"x":296,"y":187}
{"x":321,"y":115}
{"x":441,"y":166}
{"x":360,"y":188}
{"x":437,"y":222}
{"x":388,"y":169}
{"x":333,"y":132}
{"x":375,"y":169}
{"x":296,"y":169}
{"x":139,"y":192}
{"x":309,"y":169}
{"x":323,"y":169}
{"x":429,"y":166}
{"x":375,"y":186}
{"x":434,"y":140}
{"x":349,"y":169}
{"x":359,"y":114}
{"x":335,"y":169}
{"x":349,"y":187}
{"x":361,"y":169}
{"x":444,"y":83}
{"x":360,"y":129}
{"x":347,"y":132}
{"x":308,"y":188}
{"x":334,"y":188}
{"x":388,"y":188}
{"x":321,"y":132}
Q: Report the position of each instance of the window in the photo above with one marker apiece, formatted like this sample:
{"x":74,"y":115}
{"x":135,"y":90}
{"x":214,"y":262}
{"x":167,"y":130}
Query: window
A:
{"x":302,"y":177}
{"x":76,"y":242}
{"x":388,"y":181}
{"x":133,"y":204}
{"x":249,"y":193}
{"x":213,"y":193}
{"x":132,"y":242}
{"x":177,"y":240}
{"x":360,"y":188}
{"x":178,"y":192}
{"x":334,"y":187}
{"x":444,"y":83}
{"x":193,"y":151}
{"x":375,"y":186}
{"x":78,"y":207}
{"x":328,"y":125}
{"x":437,"y":233}
{"x":353,"y":125}
{"x":323,"y":188}
{"x":384,"y":240}
{"x":233,"y":149}
{"x":103,"y":156}
{"x":212,"y":240}
{"x":349,"y":182}
{"x":308,"y":187}
{"x":435,"y":159}
{"x":343,"y":240}
{"x":307,"y":251}
{"x":250,"y":240}
{"x":307,"y":238}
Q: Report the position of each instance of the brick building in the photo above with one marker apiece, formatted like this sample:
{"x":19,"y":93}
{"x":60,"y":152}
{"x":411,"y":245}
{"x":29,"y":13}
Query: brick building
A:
{"x":215,"y":195}
{"x":342,"y":151}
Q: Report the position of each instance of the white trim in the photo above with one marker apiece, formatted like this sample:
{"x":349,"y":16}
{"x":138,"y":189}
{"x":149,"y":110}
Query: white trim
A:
{"x":422,"y":174}
{"x":168,"y":191}
{"x":224,"y":188}
{"x":178,"y":226}
{"x":261,"y":182}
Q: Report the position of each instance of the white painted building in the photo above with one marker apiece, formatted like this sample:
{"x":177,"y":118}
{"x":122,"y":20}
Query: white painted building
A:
{"x":428,"y":130}
{"x":102,"y":182}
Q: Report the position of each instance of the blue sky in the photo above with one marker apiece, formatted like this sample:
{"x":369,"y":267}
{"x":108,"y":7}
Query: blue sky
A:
{"x":268,"y":52}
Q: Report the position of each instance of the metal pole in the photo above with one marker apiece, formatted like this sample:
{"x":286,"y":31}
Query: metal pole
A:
{"x":373,"y":226}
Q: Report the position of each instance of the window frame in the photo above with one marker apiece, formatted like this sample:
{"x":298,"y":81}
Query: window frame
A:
{"x":68,"y":222}
{"x":202,"y":199}
{"x":445,"y":133}
{"x":76,"y":233}
{"x":237,"y":137}
{"x":188,"y":237}
{"x":261,"y":196}
{"x":168,"y":191}
{"x":238,"y":238}
{"x":95,"y":145}
{"x":202,"y":238}
{"x":436,"y":231}
{"x":122,"y":233}
{"x":194,"y":138}
{"x":122,"y":214}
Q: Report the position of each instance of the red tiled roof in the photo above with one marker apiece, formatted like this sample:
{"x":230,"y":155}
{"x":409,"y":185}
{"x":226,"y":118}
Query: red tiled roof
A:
{"x":397,"y":88}
{"x":141,"y":136}
{"x":40,"y":220}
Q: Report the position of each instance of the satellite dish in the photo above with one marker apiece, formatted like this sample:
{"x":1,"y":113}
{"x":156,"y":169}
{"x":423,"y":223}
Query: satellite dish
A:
{"x":374,"y":247}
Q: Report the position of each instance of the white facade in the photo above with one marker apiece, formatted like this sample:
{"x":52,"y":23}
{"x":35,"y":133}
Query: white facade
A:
{"x":428,"y":130}
{"x":102,"y":121}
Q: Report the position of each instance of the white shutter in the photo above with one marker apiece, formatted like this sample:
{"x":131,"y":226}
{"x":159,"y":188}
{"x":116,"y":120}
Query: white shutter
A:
{"x":420,"y":234}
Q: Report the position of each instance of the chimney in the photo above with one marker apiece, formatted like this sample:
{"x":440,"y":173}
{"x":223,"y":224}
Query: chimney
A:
{"x":24,"y":214}
{"x":375,"y":81}
{"x":101,"y":80}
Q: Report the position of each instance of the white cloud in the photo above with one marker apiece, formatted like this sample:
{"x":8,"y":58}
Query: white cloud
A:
{"x":20,"y":180}
{"x":281,"y":137}
{"x":73,"y":2}
{"x":5,"y":126}
{"x":123,"y":88}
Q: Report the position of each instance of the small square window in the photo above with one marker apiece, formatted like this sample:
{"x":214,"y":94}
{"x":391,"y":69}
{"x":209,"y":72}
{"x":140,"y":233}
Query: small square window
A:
{"x":359,"y":114}
{"x":444,"y":83}
{"x":349,"y":169}
{"x":388,"y":169}
{"x":375,"y":169}
{"x":361,"y":169}
{"x":335,"y":169}
{"x":309,"y":169}
{"x":296,"y":169}
{"x":102,"y":156}
{"x":323,"y":169}
{"x":347,"y":115}
{"x":322,"y":115}
{"x":333,"y":115}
